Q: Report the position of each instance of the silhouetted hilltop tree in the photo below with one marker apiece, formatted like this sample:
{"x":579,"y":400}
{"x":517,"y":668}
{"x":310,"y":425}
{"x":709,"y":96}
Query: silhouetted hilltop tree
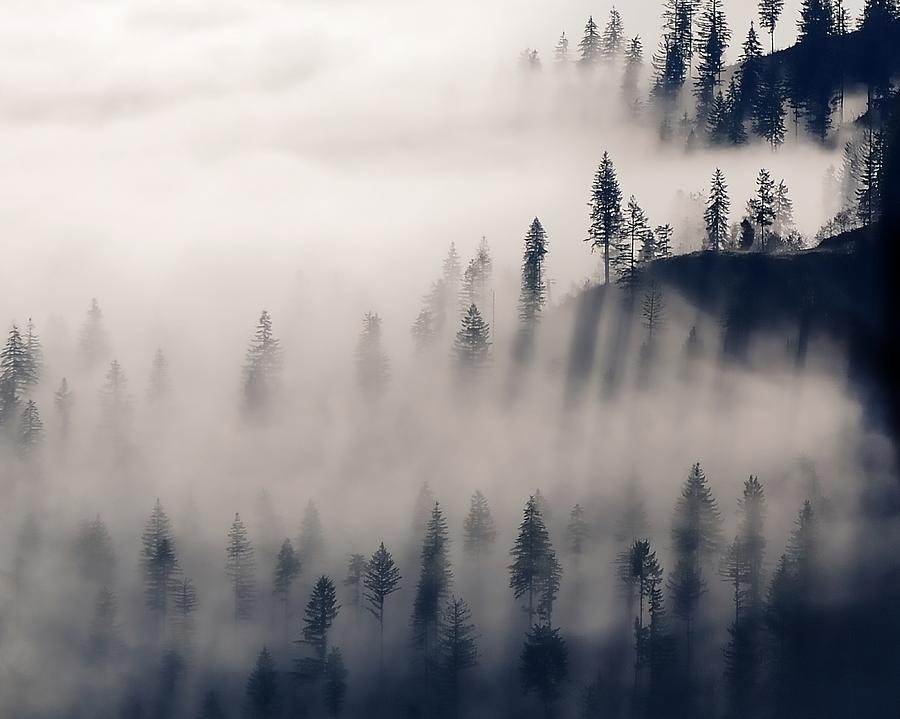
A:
{"x":16,"y":375}
{"x":869,"y":170}
{"x":158,"y":385}
{"x":334,"y":689}
{"x":34,"y":354}
{"x":535,"y":572}
{"x":457,"y":648}
{"x":543,"y":665}
{"x":240,"y":566}
{"x":31,"y":430}
{"x":263,"y":700}
{"x":472,"y":345}
{"x":662,"y":242}
{"x":93,"y":343}
{"x":816,"y":22}
{"x":718,"y":206}
{"x":262,"y":368}
{"x":769,"y":15}
{"x":635,"y":231}
{"x":591,"y":46}
{"x":93,"y":553}
{"x":64,"y":400}
{"x":382,"y":578}
{"x":606,"y":213}
{"x":714,"y":36}
{"x":372,"y":367}
{"x":613,"y":37}
{"x":184,"y":604}
{"x":533,"y":292}
{"x":103,"y":638}
{"x":287,"y":568}
{"x":356,"y":570}
{"x":159,"y":563}
{"x":479,"y":531}
{"x":311,"y":543}
{"x":320,"y":613}
{"x":653,"y":312}
{"x":761,"y":207}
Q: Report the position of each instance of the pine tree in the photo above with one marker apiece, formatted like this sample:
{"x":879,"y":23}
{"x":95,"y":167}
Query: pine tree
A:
{"x":783,"y":223}
{"x":577,"y":532}
{"x":103,"y":639}
{"x":869,"y":179}
{"x":240,"y":566}
{"x":634,"y":63}
{"x":653,"y":312}
{"x":816,"y":23}
{"x":16,"y":374}
{"x":768,"y":110}
{"x":613,"y":37}
{"x":34,"y":354}
{"x":735,"y":130}
{"x":713,"y":42}
{"x":769,"y":14}
{"x":761,"y":207}
{"x":849,"y":176}
{"x":544,"y":664}
{"x":479,"y":532}
{"x":63,"y":401}
{"x":287,"y":568}
{"x":372,"y":367}
{"x":159,"y":561}
{"x":158,"y":386}
{"x":457,"y":649}
{"x":451,"y":274}
{"x":382,"y":578}
{"x":716,"y":215}
{"x":591,"y":46}
{"x":606,"y":213}
{"x":423,"y":330}
{"x":115,"y":402}
{"x":432,"y":590}
{"x":93,"y":343}
{"x":472,"y":344}
{"x":335,"y":686}
{"x":321,"y":611}
{"x":31,"y":430}
{"x":184,"y":604}
{"x":717,"y":120}
{"x":356,"y":570}
{"x":477,"y":278}
{"x":263,"y":700}
{"x":261,"y":368}
{"x":533,"y":292}
{"x":310,"y":544}
{"x":561,"y":51}
{"x":93,"y":554}
{"x":641,"y":574}
{"x":635,"y":231}
{"x":750,"y":69}
{"x":663,"y":240}
{"x":535,"y":571}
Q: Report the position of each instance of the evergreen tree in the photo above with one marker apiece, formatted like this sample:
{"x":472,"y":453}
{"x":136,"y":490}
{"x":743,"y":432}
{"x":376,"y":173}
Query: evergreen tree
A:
{"x":158,"y":386}
{"x":16,"y":374}
{"x":114,"y":400}
{"x":561,"y":51}
{"x":850,"y":172}
{"x":184,"y":603}
{"x":606,"y":213}
{"x":577,"y":531}
{"x":535,"y":572}
{"x":591,"y":45}
{"x":287,"y":568}
{"x":713,"y":42}
{"x":652,"y":314}
{"x":761,"y":207}
{"x":93,"y":343}
{"x":34,"y":354}
{"x":769,"y":14}
{"x":423,"y":330}
{"x":356,"y":570}
{"x":472,"y":344}
{"x":31,"y":430}
{"x":93,"y":554}
{"x":641,"y":574}
{"x":718,"y":205}
{"x":634,"y":63}
{"x":717,"y":120}
{"x":457,"y":649}
{"x":63,"y":401}
{"x":382,"y":578}
{"x":768,"y":110}
{"x":635,"y":231}
{"x":103,"y":639}
{"x":749,"y":72}
{"x":432,"y":590}
{"x":263,"y":700}
{"x":477,"y":278}
{"x":240,"y":567}
{"x":479,"y":532}
{"x":372,"y":367}
{"x":335,"y":686}
{"x":321,"y":611}
{"x":451,"y":274}
{"x":735,"y":130}
{"x":261,"y":368}
{"x":613,"y":36}
{"x":663,"y":240}
{"x":310,"y":544}
{"x":422,"y":511}
{"x":869,"y":179}
{"x":783,"y":223}
{"x":533,"y":293}
{"x":158,"y":561}
{"x":816,"y":23}
{"x":544,"y":664}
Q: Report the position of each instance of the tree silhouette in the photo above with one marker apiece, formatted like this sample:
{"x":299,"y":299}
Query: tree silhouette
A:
{"x":63,"y":400}
{"x":356,"y":570}
{"x":636,"y":233}
{"x":335,"y":682}
{"x":716,"y":215}
{"x":159,"y":562}
{"x":93,"y":343}
{"x":320,"y":613}
{"x":769,"y":14}
{"x":184,"y":604}
{"x":457,"y":649}
{"x":533,"y":293}
{"x":432,"y":590}
{"x":372,"y":366}
{"x":423,"y":330}
{"x":382,"y":578}
{"x":613,"y":37}
{"x":479,"y":532}
{"x":768,"y":110}
{"x":606,"y":213}
{"x":31,"y":430}
{"x":713,"y":40}
{"x":591,"y":45}
{"x":34,"y":354}
{"x":16,"y":374}
{"x":761,"y":207}
{"x":544,"y":664}
{"x":240,"y":566}
{"x":535,"y":572}
{"x":287,"y":568}
{"x":261,"y":368}
{"x":263,"y":699}
{"x":561,"y":51}
{"x":472,"y":344}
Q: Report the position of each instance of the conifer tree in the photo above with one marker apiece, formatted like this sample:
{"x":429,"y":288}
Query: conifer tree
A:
{"x":735,"y":130}
{"x":634,"y":63}
{"x":769,"y":14}
{"x":472,"y":344}
{"x":750,"y":69}
{"x":63,"y":400}
{"x":93,"y":554}
{"x":115,"y":402}
{"x":816,"y":23}
{"x":451,"y":273}
{"x":372,"y":367}
{"x":533,"y":293}
{"x":635,"y":232}
{"x":869,"y":179}
{"x":159,"y":562}
{"x":561,"y":51}
{"x":717,"y":120}
{"x":356,"y":570}
{"x":577,"y":532}
{"x":591,"y":45}
{"x":718,"y":205}
{"x":320,"y":613}
{"x":641,"y":574}
{"x":783,"y":224}
{"x":652,"y":313}
{"x":263,"y":700}
{"x":158,"y":386}
{"x":761,"y":207}
{"x":382,"y":578}
{"x":432,"y":590}
{"x":93,"y":343}
{"x":606,"y":213}
{"x":613,"y":36}
{"x":103,"y":639}
{"x":543,"y":665}
{"x":535,"y":572}
{"x":457,"y":648}
{"x":287,"y":568}
{"x":240,"y":567}
{"x":184,"y":604}
{"x":261,"y":368}
{"x":663,"y":240}
{"x":16,"y":375}
{"x":769,"y":112}
{"x":713,"y":42}
{"x":310,"y":544}
{"x":479,"y":532}
{"x":335,"y":685}
{"x":31,"y":430}
{"x":34,"y":354}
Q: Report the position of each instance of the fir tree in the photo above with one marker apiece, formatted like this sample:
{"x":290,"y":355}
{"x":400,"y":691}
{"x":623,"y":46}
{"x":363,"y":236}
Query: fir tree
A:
{"x":334,"y":690}
{"x":263,"y":700}
{"x":816,"y":23}
{"x":561,"y":51}
{"x":750,"y":69}
{"x":31,"y":430}
{"x":184,"y":604}
{"x":613,"y":36}
{"x":159,"y":561}
{"x":713,"y":42}
{"x":783,"y":224}
{"x":869,"y":179}
{"x":768,"y":110}
{"x":310,"y":543}
{"x":606,"y":213}
{"x":287,"y":568}
{"x":320,"y":613}
{"x":634,"y":63}
{"x":372,"y":367}
{"x":769,"y":14}
{"x":544,"y":664}
{"x":718,"y":205}
{"x":423,"y":331}
{"x":63,"y":400}
{"x":103,"y":639}
{"x":451,"y":274}
{"x":533,"y":292}
{"x":652,"y":312}
{"x":477,"y":278}
{"x":735,"y":130}
{"x":577,"y":531}
{"x":535,"y":571}
{"x":240,"y":567}
{"x":432,"y":590}
{"x":93,"y":554}
{"x":93,"y":343}
{"x":761,"y":207}
{"x":114,"y":400}
{"x":34,"y":354}
{"x":635,"y":231}
{"x":158,"y":386}
{"x":382,"y":578}
{"x":16,"y":374}
{"x":663,"y":240}
{"x":356,"y":570}
{"x":479,"y":532}
{"x":457,"y":649}
{"x":641,"y":574}
{"x":717,"y":120}
{"x":472,"y":345}
{"x":591,"y":45}
{"x":261,"y":368}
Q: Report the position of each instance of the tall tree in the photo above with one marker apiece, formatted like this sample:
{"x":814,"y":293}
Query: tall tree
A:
{"x":356,"y":570}
{"x":634,"y":64}
{"x":783,"y":223}
{"x":261,"y":368}
{"x":718,"y":206}
{"x":533,"y":293}
{"x":641,"y":574}
{"x":158,"y":561}
{"x":457,"y":648}
{"x":635,"y":232}
{"x":561,"y":51}
{"x":613,"y":36}
{"x":479,"y":531}
{"x":93,"y":554}
{"x":472,"y":345}
{"x":761,"y":207}
{"x":16,"y":374}
{"x":869,"y":178}
{"x":335,"y":685}
{"x":535,"y":572}
{"x":432,"y":590}
{"x":543,"y":665}
{"x":423,"y":330}
{"x":184,"y":604}
{"x":735,"y":130}
{"x":749,"y":71}
{"x":310,"y":543}
{"x":816,"y":23}
{"x":662,"y":240}
{"x":769,"y":111}
{"x":240,"y":567}
{"x":63,"y":400}
{"x":35,"y":354}
{"x":713,"y":42}
{"x":769,"y":15}
{"x":382,"y":578}
{"x":263,"y":699}
{"x":372,"y":366}
{"x":31,"y":430}
{"x":320,"y":613}
{"x":591,"y":45}
{"x":93,"y":343}
{"x":606,"y":213}
{"x":287,"y":568}
{"x":477,"y":279}
{"x":653,"y":310}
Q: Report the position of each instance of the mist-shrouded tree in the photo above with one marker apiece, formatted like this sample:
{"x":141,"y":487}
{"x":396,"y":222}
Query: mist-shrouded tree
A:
{"x":320,"y":613}
{"x":158,"y":385}
{"x":115,"y":402}
{"x":783,"y":224}
{"x":184,"y":604}
{"x":472,"y":345}
{"x":696,"y":538}
{"x":662,"y":243}
{"x":578,"y":532}
{"x":34,"y":353}
{"x":31,"y":430}
{"x":382,"y":578}
{"x":334,"y":689}
{"x":735,"y":130}
{"x":457,"y":648}
{"x":769,"y":111}
{"x":635,"y":231}
{"x":590,"y":48}
{"x":544,"y":665}
{"x":240,"y":566}
{"x":63,"y":400}
{"x":477,"y":278}
{"x":262,"y":367}
{"x":287,"y":568}
{"x":613,"y":37}
{"x":311,"y":543}
{"x":356,"y":571}
{"x":561,"y":51}
{"x":93,"y":554}
{"x":423,"y":330}
{"x":634,"y":65}
{"x":93,"y":343}
{"x":870,"y":170}
{"x":748,"y":76}
{"x":372,"y":366}
{"x":211,"y":708}
{"x":606,"y":213}
{"x":535,"y":572}
{"x":653,"y":314}
{"x":479,"y":531}
{"x":422,"y":511}
{"x":451,"y":272}
{"x":718,"y":207}
{"x":641,"y":574}
{"x":159,"y":562}
{"x":16,"y":375}
{"x":263,"y":700}
{"x":714,"y":36}
{"x":104,"y":636}
{"x":769,"y":15}
{"x":533,"y":292}
{"x":432,"y":590}
{"x":761,"y":207}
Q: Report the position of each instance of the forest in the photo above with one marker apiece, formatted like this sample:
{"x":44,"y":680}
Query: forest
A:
{"x":604,"y":426}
